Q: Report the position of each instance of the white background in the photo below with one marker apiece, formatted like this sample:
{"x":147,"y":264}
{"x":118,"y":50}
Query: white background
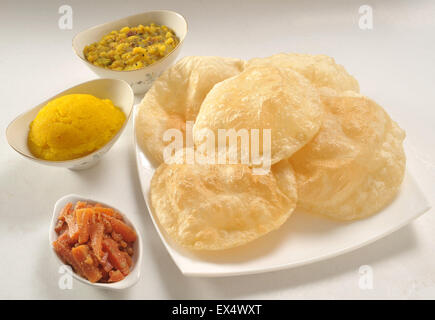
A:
{"x":394,"y":63}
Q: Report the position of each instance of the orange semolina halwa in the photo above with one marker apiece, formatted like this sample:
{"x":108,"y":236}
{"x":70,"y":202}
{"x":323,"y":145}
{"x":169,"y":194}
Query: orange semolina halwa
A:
{"x":73,"y":126}
{"x":132,"y":48}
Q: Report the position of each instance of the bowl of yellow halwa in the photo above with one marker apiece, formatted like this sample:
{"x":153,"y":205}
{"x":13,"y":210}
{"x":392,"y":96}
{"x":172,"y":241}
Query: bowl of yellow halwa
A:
{"x":76,"y":127}
{"x":136,"y":49}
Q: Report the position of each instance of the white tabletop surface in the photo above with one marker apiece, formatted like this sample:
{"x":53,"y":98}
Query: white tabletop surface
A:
{"x":394,"y":63}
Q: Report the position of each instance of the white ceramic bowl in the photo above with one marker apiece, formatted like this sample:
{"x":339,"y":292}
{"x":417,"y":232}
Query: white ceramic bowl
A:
{"x":134,"y":275}
{"x":116,"y":90}
{"x":140,"y":80}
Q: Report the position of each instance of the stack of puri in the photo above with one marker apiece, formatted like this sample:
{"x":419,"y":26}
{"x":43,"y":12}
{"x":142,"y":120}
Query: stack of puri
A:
{"x":333,"y":152}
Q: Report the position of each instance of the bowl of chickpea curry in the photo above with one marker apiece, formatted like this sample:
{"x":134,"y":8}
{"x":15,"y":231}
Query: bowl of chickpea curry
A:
{"x":136,"y":49}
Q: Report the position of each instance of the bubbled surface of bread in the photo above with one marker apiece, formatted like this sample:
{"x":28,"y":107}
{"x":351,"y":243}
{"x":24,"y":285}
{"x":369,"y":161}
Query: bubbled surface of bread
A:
{"x":214,"y":207}
{"x":320,"y":69}
{"x":176,"y":97}
{"x":355,"y":164}
{"x":263,"y":97}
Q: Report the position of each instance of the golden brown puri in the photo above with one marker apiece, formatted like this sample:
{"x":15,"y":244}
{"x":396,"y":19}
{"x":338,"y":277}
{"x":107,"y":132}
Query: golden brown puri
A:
{"x":214,"y":207}
{"x":176,"y":97}
{"x":355,"y":164}
{"x":321,"y":70}
{"x":263,"y":97}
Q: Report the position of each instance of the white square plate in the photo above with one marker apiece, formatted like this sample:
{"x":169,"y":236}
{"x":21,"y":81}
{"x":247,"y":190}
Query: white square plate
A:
{"x":303,"y":239}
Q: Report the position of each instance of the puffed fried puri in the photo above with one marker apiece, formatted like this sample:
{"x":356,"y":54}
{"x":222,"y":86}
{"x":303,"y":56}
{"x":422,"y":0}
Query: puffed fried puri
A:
{"x":176,"y":97}
{"x":262,"y":98}
{"x":215,"y":207}
{"x":355,"y":165}
{"x":320,"y":69}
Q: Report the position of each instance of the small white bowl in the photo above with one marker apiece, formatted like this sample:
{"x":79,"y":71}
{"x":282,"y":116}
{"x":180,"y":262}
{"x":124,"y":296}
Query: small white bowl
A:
{"x":134,"y":275}
{"x":140,"y":80}
{"x":118,"y":91}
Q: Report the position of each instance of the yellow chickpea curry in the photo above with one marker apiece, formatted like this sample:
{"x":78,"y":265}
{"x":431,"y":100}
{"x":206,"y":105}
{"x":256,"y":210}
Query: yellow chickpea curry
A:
{"x":132,"y":48}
